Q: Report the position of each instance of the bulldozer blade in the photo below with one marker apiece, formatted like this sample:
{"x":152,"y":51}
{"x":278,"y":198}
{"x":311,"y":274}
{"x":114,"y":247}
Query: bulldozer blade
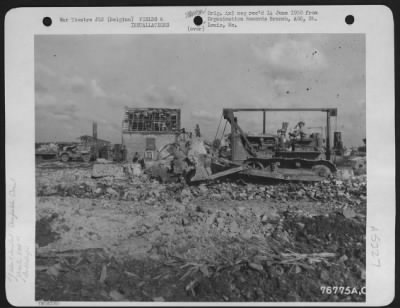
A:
{"x":226,"y":172}
{"x":199,"y":176}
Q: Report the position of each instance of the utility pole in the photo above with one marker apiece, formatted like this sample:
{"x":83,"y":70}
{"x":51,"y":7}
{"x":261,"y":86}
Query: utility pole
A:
{"x":264,"y":122}
{"x":94,"y":135}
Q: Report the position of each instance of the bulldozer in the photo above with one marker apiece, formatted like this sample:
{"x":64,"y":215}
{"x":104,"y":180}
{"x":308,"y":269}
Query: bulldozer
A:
{"x":293,"y":156}
{"x":75,"y":152}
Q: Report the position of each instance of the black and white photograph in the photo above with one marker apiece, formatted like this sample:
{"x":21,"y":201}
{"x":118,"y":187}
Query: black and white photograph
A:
{"x":235,"y":171}
{"x":194,"y":156}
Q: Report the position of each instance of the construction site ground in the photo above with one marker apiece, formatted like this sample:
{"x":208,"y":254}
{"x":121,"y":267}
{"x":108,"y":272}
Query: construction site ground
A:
{"x":131,"y":238}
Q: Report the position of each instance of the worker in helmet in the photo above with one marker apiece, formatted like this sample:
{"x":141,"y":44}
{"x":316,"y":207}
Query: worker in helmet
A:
{"x":135,"y":158}
{"x":299,"y":130}
{"x":297,"y":134}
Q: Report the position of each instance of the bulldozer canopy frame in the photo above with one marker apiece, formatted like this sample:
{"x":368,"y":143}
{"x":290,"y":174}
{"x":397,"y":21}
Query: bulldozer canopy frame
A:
{"x":228,"y":114}
{"x":332,"y":111}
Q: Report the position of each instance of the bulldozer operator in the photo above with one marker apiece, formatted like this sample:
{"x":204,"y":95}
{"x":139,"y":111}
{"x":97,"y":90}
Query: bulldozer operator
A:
{"x":298,"y":132}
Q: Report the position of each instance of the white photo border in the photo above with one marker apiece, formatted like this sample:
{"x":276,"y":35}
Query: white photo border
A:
{"x":21,"y":26}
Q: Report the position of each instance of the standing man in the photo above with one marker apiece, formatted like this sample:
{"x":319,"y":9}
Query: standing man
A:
{"x":197,"y":131}
{"x":299,"y":131}
{"x":135,"y":157}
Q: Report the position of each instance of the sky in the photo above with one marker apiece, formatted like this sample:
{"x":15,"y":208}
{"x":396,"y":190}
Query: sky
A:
{"x":84,"y":78}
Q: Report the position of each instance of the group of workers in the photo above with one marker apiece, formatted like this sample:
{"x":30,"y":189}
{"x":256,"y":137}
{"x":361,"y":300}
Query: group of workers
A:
{"x":297,"y":133}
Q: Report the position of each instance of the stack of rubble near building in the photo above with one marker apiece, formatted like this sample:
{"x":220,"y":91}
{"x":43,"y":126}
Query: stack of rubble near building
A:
{"x":146,"y":130}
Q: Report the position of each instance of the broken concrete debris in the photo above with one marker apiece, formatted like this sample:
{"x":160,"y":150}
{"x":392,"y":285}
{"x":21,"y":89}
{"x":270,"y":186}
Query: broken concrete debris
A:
{"x":119,"y":182}
{"x":111,"y":170}
{"x":127,"y":229}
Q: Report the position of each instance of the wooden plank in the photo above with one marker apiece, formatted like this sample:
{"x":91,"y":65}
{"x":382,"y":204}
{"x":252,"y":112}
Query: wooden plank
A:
{"x":225,"y":173}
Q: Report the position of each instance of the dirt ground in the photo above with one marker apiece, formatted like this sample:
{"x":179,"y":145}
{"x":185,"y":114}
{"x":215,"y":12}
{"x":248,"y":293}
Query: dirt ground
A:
{"x":134,"y":239}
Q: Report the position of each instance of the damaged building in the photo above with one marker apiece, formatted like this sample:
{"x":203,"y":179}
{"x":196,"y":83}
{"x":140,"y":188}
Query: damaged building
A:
{"x":147,"y":130}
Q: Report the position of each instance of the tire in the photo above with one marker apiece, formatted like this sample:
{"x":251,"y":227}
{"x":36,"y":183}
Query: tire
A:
{"x":64,"y":157}
{"x":322,"y":170}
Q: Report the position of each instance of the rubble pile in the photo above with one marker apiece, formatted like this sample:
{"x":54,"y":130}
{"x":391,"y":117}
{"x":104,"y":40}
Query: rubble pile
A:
{"x":221,"y":240}
{"x":351,"y":190}
{"x":52,"y":182}
{"x":80,"y":183}
{"x":205,"y":243}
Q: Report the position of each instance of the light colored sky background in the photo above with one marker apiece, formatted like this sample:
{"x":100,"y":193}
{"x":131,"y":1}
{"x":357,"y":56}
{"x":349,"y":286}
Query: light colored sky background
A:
{"x":85,"y":78}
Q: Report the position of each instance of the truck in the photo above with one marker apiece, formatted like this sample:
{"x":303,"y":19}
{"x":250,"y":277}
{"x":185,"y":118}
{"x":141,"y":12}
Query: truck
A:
{"x":75,"y":152}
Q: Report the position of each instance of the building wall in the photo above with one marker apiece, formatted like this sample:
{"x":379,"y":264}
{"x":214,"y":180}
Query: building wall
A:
{"x":137,"y":142}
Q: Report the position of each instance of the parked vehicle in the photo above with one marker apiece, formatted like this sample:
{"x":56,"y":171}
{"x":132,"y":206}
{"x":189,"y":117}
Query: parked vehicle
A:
{"x":76,"y":152}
